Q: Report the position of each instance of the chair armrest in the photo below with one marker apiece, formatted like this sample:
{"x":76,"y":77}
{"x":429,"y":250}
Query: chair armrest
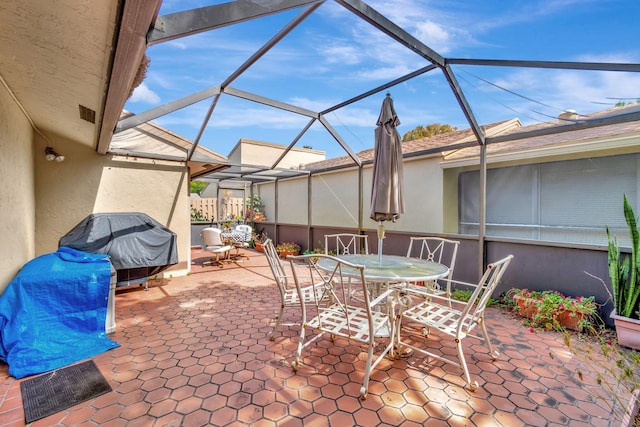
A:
{"x":449,"y":283}
{"x":425,"y":293}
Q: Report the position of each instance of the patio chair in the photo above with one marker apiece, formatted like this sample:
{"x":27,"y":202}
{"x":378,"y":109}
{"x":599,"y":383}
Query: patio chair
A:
{"x":212,"y":242}
{"x":345,"y":243}
{"x":436,"y":249}
{"x":289,"y":295}
{"x":452,"y":318}
{"x":340,"y":318}
{"x":247,"y":231}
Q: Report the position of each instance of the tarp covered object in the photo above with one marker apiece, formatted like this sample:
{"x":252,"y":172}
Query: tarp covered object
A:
{"x":137,"y":244}
{"x":53,"y":313}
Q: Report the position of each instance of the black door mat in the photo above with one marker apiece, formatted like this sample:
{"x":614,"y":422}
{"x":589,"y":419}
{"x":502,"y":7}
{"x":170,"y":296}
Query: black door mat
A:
{"x":61,"y":389}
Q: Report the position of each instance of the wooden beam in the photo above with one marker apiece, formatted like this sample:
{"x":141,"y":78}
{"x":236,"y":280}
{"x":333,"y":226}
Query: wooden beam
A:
{"x":136,"y":20}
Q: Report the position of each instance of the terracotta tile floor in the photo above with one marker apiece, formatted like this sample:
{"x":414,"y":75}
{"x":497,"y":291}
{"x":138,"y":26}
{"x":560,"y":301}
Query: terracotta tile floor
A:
{"x":194,"y":351}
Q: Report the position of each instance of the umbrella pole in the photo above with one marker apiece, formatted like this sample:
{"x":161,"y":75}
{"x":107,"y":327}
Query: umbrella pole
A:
{"x":380,"y":237}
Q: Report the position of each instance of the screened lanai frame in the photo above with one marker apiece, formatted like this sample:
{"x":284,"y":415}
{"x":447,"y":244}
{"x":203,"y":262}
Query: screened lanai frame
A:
{"x":181,"y":24}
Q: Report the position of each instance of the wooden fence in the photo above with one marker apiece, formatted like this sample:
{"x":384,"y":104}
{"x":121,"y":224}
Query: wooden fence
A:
{"x":208,"y":208}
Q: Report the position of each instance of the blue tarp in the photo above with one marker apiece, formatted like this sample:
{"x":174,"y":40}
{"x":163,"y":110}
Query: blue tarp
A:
{"x":53,"y":312}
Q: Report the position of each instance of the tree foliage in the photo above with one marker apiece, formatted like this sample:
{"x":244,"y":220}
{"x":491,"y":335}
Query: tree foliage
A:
{"x":624,"y":104}
{"x":197,"y":187}
{"x":429,"y":130}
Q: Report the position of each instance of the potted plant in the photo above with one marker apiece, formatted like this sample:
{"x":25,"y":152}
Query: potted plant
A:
{"x":288,"y":248}
{"x":523,"y":301}
{"x":258,"y":238}
{"x":553,"y":310}
{"x":254,"y":209}
{"x":625,"y":282}
{"x":226,"y":225}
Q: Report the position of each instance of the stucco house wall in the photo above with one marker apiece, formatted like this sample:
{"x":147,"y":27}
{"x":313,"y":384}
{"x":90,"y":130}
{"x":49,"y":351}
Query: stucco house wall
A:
{"x":87,"y":182}
{"x":296,"y":212}
{"x":17,"y":215}
{"x":251,"y":152}
{"x":334,"y":198}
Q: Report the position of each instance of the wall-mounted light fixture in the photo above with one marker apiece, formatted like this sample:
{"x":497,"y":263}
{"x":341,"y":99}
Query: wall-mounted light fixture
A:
{"x":50,"y":154}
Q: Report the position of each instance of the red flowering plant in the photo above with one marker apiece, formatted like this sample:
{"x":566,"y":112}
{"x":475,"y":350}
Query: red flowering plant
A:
{"x":288,"y":248}
{"x":547,"y":309}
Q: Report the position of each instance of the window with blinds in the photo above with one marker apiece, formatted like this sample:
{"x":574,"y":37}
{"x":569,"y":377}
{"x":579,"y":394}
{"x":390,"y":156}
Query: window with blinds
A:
{"x":567,"y":201}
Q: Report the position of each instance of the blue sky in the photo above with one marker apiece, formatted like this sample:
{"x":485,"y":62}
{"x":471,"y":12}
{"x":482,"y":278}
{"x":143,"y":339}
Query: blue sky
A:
{"x":333,"y":56}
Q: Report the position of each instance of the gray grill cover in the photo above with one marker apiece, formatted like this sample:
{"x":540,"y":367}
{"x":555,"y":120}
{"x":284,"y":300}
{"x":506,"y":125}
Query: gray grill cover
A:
{"x":139,"y":246}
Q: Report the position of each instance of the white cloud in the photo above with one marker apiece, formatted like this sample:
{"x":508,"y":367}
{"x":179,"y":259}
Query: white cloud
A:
{"x":341,"y":54}
{"x":145,"y":95}
{"x":541,"y":94}
{"x":434,"y":36}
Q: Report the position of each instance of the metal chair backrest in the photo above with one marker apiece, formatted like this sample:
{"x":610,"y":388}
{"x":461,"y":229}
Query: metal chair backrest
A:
{"x":277,"y":268}
{"x":475,"y":307}
{"x":246,"y":229}
{"x":346,"y":244}
{"x":334,"y":282}
{"x":436,"y":249}
{"x":211,"y":236}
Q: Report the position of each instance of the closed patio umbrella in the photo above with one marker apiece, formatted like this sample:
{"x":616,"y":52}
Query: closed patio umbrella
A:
{"x":387,"y":201}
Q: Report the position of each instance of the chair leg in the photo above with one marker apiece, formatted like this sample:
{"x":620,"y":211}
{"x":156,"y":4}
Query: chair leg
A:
{"x":212,"y":262}
{"x":296,"y":361}
{"x":364,"y":390}
{"x":463,"y":364}
{"x":301,"y":338}
{"x":272,"y":335}
{"x":487,"y":341}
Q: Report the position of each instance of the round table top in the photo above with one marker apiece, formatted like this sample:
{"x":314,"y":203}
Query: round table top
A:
{"x":391,"y":268}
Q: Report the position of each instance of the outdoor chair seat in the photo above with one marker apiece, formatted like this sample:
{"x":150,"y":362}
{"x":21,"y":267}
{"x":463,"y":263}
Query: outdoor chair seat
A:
{"x":452,"y":318}
{"x":333,"y":320}
{"x":212,"y":242}
{"x":221,"y":254}
{"x":342,"y":318}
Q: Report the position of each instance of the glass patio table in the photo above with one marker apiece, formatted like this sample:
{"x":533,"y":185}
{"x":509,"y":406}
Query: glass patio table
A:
{"x":390,"y":268}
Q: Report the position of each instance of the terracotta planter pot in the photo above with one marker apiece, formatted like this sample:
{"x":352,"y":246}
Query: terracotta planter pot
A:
{"x":628,"y":331}
{"x":283,"y":254}
{"x":259,"y":247}
{"x":526,"y":306}
{"x":570,"y":322}
{"x":528,"y":309}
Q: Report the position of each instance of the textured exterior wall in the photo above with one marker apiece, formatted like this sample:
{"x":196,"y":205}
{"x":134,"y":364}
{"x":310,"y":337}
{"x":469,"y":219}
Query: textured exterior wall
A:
{"x":87,"y":182}
{"x":423,"y":196}
{"x":263,"y":153}
{"x":334,"y":199}
{"x":161,"y":190}
{"x":17,"y":213}
{"x":293,"y":192}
